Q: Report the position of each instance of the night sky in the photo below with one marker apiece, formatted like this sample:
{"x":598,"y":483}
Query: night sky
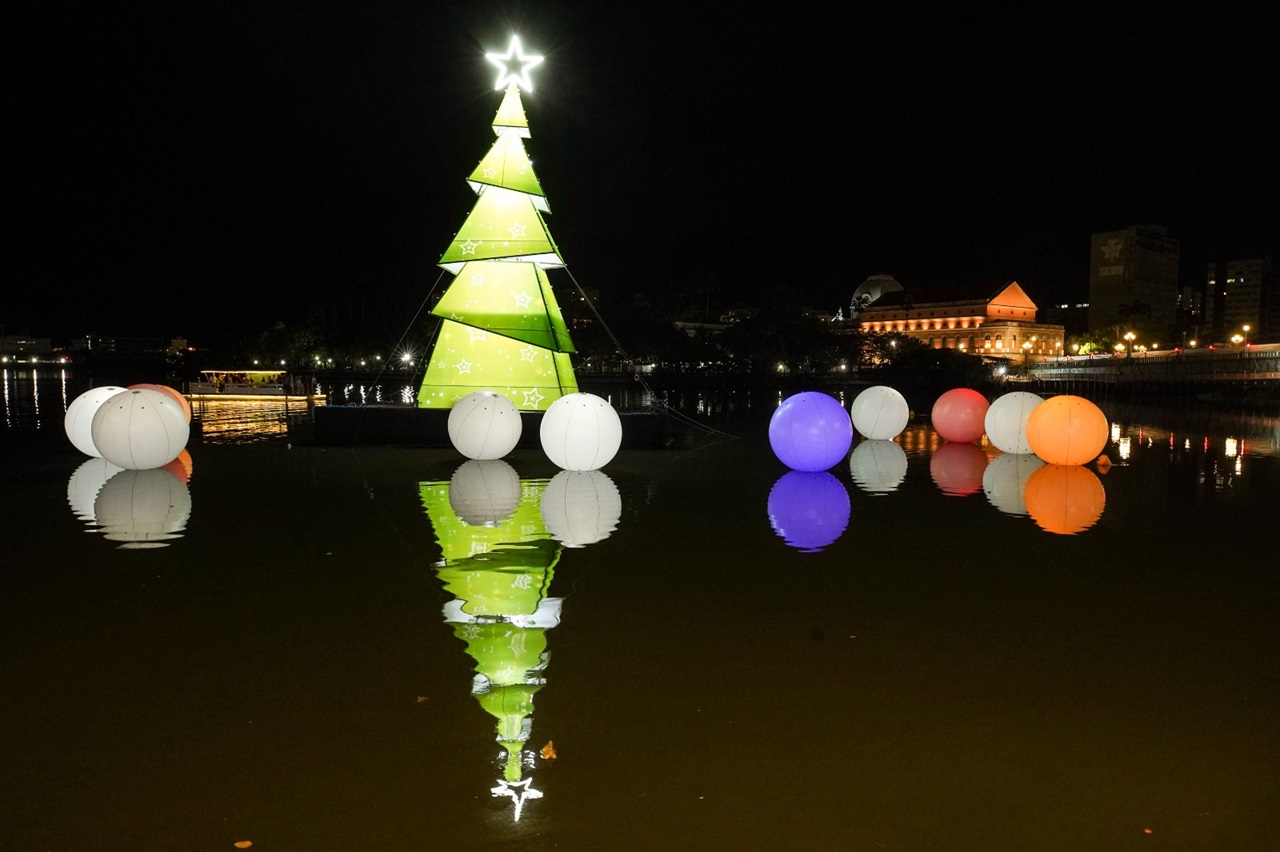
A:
{"x":192,"y":167}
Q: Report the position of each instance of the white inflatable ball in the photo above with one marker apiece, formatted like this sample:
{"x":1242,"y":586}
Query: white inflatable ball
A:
{"x":1006,"y":421}
{"x":880,"y":413}
{"x":581,"y":507}
{"x":580,"y":431}
{"x":484,"y":425}
{"x":484,"y":493}
{"x":140,"y":429}
{"x":143,"y":508}
{"x":78,"y":420}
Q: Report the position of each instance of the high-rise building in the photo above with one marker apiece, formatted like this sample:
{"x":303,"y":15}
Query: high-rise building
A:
{"x":1240,"y":293}
{"x":1133,"y":275}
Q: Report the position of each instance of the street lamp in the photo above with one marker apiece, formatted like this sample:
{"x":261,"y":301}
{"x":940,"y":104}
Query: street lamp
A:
{"x":1129,"y":336}
{"x":1236,"y":339}
{"x":1246,"y":335}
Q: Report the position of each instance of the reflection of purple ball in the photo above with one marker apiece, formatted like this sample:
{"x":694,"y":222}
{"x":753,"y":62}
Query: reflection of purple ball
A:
{"x":810,"y":431}
{"x":809,"y":509}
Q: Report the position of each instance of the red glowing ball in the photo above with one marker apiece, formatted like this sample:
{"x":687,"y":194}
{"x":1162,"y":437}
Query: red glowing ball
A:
{"x":960,"y":415}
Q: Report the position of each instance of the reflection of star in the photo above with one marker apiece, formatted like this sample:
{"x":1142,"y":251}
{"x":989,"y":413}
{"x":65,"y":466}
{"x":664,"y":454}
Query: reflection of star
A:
{"x":532,"y":398}
{"x":527,"y":353}
{"x":522,"y":299}
{"x":518,"y":78}
{"x":469,"y":247}
{"x":464,"y":366}
{"x":516,"y":231}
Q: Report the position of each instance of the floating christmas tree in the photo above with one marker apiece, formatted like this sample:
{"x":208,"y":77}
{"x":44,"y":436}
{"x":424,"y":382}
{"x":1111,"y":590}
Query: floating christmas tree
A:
{"x":501,"y":327}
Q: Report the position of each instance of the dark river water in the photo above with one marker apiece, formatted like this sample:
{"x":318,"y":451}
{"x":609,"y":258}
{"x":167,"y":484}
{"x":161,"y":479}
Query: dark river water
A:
{"x":929,"y":646}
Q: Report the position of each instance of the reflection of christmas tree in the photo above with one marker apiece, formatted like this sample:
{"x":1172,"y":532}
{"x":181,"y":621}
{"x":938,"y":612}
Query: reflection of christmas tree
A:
{"x":498,"y":572}
{"x":501,"y":327}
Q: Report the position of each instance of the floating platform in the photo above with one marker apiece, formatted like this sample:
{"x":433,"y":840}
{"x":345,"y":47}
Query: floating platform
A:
{"x":408,"y":426}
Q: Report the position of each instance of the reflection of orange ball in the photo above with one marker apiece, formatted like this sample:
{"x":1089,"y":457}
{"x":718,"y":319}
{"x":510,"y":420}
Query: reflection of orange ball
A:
{"x":181,"y":466}
{"x":1067,"y":430}
{"x":177,"y":397}
{"x":957,"y":468}
{"x":1064,"y":500}
{"x":960,"y":415}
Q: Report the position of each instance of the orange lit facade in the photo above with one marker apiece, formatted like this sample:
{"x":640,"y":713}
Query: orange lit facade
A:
{"x":1000,"y":323}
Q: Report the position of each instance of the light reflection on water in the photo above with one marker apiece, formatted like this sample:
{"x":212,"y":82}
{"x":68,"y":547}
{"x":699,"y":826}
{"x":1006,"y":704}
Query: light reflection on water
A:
{"x":919,"y":611}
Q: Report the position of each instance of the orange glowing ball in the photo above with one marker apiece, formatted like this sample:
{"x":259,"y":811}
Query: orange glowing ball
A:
{"x":179,"y":398}
{"x":960,"y":415}
{"x":1067,"y":430}
{"x":1064,"y":499}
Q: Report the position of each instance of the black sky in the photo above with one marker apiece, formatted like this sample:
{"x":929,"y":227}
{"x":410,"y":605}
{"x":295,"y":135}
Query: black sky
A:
{"x":188,"y":168}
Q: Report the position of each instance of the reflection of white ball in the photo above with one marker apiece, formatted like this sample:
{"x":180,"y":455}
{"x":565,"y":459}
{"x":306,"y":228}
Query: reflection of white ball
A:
{"x":484,"y":425}
{"x":581,"y":507}
{"x":143,"y":508}
{"x":878,"y":466}
{"x":79,"y":417}
{"x":484,"y":493}
{"x":880,"y":413}
{"x":86,"y":482}
{"x":1005,"y":479}
{"x":1006,"y":421}
{"x":580,"y":431}
{"x":140,"y":429}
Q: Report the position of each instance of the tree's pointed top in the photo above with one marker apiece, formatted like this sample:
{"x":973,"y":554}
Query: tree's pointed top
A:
{"x":510,"y":117}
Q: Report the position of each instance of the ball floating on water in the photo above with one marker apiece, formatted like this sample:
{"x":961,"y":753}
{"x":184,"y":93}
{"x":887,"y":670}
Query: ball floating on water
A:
{"x":958,"y":415}
{"x":581,"y":507}
{"x":140,"y":429}
{"x":1006,"y":421}
{"x":1067,"y":430}
{"x":178,"y":397}
{"x":809,"y":509}
{"x":810,"y":431}
{"x":78,"y":421}
{"x":878,"y":466}
{"x":580,"y":431}
{"x":957,"y":468}
{"x":880,"y":413}
{"x":1064,"y":499}
{"x":484,"y":425}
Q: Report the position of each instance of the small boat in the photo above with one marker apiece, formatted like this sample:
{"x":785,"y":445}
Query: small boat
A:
{"x":250,"y":384}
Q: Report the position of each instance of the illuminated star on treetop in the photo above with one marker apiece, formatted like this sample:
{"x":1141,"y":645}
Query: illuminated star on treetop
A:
{"x":515,"y":55}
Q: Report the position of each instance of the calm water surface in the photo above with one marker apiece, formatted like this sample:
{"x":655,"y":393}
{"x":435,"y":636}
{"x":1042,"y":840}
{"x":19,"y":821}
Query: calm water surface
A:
{"x":931,"y":646}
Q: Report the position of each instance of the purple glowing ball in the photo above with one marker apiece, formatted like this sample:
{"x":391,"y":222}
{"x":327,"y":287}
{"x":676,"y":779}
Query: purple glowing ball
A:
{"x":810,"y":431}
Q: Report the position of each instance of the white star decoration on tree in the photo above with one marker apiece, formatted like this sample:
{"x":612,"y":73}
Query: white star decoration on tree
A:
{"x":522,"y":299}
{"x":516,"y":231}
{"x":527,"y":353}
{"x":469,"y":247}
{"x":532,"y":398}
{"x":515,"y":56}
{"x":464,"y":366}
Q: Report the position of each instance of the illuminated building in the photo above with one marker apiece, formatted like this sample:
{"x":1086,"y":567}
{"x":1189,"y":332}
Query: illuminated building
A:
{"x":977,"y":321}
